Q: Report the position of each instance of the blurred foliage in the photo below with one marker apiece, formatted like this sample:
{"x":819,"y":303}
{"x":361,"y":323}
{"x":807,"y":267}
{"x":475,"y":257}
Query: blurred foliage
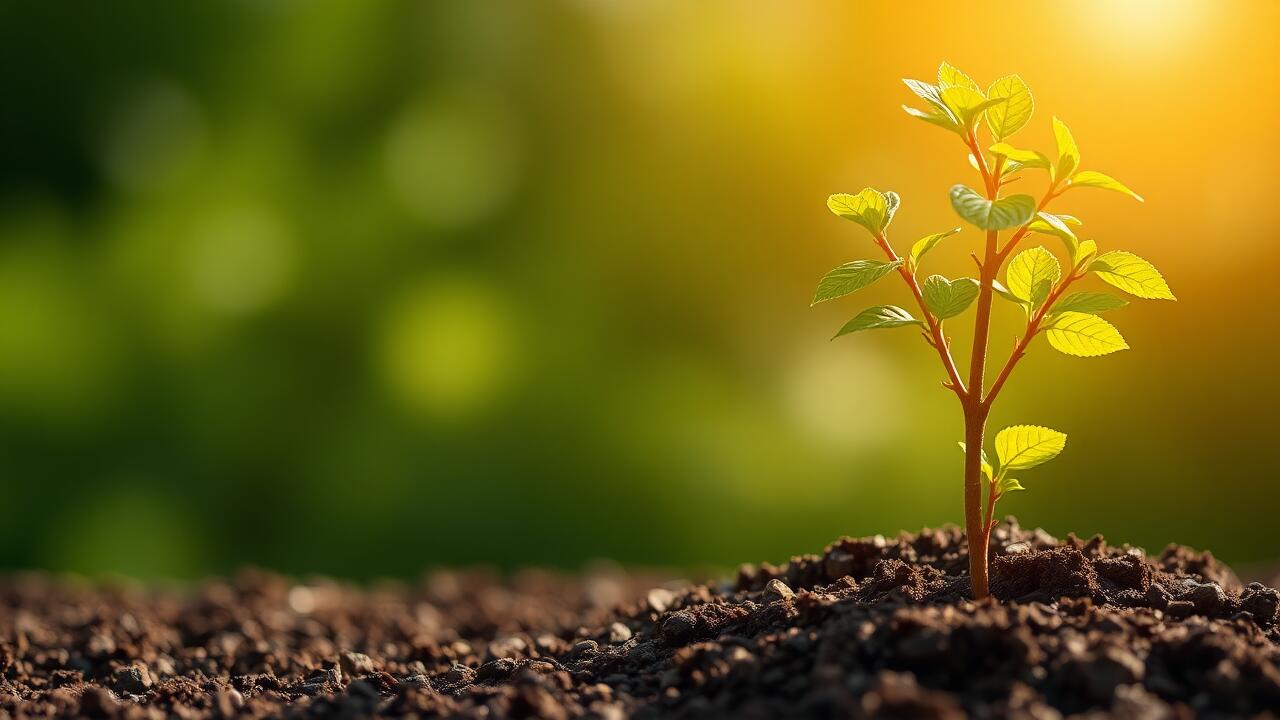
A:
{"x":362,"y":287}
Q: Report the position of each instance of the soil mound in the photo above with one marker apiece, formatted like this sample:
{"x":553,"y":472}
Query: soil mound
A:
{"x":872,"y":627}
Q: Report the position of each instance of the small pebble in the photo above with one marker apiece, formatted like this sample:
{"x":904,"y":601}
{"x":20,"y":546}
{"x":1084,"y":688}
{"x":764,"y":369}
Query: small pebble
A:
{"x":777,"y":590}
{"x":660,"y":599}
{"x":619,"y":633}
{"x":356,"y":664}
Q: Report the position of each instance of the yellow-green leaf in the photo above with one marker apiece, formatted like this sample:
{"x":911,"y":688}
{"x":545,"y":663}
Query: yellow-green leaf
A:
{"x":1068,"y":151}
{"x":967,"y":104}
{"x":1093,"y":178}
{"x":852,"y":276}
{"x":924,"y":245}
{"x":875,"y":318}
{"x":942,"y":120}
{"x":1008,"y":485}
{"x":1084,"y":253}
{"x":1089,"y":302}
{"x":986,"y":466}
{"x":1132,"y":274}
{"x":948,"y":298}
{"x":1030,"y":271}
{"x":1084,"y":335}
{"x":1003,"y":292}
{"x":1011,"y":116}
{"x":869,"y":208}
{"x":1023,"y":447}
{"x":1026,"y":158}
{"x":949,"y":76}
{"x":1002,"y":214}
{"x":1050,"y":224}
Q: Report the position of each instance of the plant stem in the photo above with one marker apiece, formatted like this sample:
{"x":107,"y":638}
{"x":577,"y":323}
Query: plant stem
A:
{"x":975,"y":411}
{"x":1033,"y":327}
{"x":935,"y":336}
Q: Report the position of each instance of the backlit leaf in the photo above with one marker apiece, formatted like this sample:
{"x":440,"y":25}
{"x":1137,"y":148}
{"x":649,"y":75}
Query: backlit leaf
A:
{"x":949,"y":76}
{"x":1068,"y":152}
{"x":1132,"y":274}
{"x":1029,"y":271}
{"x":966,"y":104}
{"x":869,"y":208}
{"x":948,"y":298}
{"x":891,"y":203}
{"x":1076,"y":333}
{"x":1002,"y":214}
{"x":1050,"y":224}
{"x":1093,"y":178}
{"x":1028,"y":158}
{"x":881,"y":316}
{"x":852,"y":276}
{"x":924,"y":245}
{"x":1011,"y":116}
{"x":1003,"y":292}
{"x":986,"y":466}
{"x":1084,"y":253}
{"x":1008,"y":485}
{"x":942,"y":120}
{"x":1023,"y":447}
{"x":1089,"y":302}
{"x":928,"y":93}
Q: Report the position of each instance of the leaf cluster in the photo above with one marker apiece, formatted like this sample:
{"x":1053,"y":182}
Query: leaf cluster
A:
{"x":1035,"y":279}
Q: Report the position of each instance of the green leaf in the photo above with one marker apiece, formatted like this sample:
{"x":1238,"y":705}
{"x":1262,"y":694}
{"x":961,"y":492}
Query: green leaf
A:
{"x":1031,"y":269}
{"x":1089,"y":302}
{"x":875,"y":318}
{"x":1027,"y":158}
{"x":1002,"y":214}
{"x":1003,"y":292}
{"x":1068,"y":152}
{"x":924,"y":245}
{"x":1050,"y":224}
{"x":1093,"y":178}
{"x":940,"y":114}
{"x":942,"y":120}
{"x":891,"y":202}
{"x":1133,"y":275}
{"x":869,"y":208}
{"x":1008,"y":485}
{"x":966,"y":104}
{"x":852,"y":276}
{"x":986,"y":466}
{"x":929,"y":93}
{"x":949,"y":76}
{"x":948,"y":298}
{"x":1023,"y":447}
{"x":1084,"y":253}
{"x":1075,"y":333}
{"x":1007,"y":119}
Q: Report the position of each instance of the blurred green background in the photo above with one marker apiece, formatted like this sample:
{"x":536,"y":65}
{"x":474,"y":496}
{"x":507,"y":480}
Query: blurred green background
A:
{"x":362,"y":287}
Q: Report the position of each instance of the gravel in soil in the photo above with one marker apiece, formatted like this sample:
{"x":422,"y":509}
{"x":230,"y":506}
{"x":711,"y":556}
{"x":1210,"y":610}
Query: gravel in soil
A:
{"x":872,"y":627}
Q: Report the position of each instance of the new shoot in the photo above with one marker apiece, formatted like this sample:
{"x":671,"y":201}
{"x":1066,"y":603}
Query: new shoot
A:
{"x":1035,"y":282}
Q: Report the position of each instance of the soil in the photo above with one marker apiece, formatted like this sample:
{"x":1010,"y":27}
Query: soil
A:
{"x":869,"y":628}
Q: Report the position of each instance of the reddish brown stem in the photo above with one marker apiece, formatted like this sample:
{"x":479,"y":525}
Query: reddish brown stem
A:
{"x":1033,"y":327}
{"x":935,"y":335}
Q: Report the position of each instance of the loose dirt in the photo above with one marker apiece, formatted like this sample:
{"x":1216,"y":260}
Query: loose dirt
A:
{"x":870,"y":628}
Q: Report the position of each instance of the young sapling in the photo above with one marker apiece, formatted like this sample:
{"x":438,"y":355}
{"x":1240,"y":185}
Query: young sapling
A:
{"x":1035,"y":281}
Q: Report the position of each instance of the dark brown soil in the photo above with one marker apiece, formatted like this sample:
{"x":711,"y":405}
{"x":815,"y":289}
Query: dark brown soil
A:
{"x":870,"y":628}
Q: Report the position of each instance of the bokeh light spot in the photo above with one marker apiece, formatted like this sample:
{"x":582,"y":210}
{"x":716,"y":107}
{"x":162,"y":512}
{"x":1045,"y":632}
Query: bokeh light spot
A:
{"x":445,"y":348}
{"x":454,"y":159}
{"x":241,"y":261}
{"x":154,"y":138}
